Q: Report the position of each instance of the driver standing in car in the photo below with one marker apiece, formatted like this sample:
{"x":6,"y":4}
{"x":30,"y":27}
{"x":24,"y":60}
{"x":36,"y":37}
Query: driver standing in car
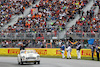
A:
{"x":22,"y":47}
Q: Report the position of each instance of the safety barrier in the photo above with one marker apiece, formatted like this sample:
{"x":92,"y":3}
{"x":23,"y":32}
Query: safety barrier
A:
{"x":56,"y":52}
{"x":9,"y":51}
{"x":29,"y":35}
{"x":48,"y":36}
{"x":46,"y":52}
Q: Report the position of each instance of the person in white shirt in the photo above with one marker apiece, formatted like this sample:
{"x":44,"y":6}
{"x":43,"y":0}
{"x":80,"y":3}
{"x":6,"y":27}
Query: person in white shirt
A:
{"x":69,"y":49}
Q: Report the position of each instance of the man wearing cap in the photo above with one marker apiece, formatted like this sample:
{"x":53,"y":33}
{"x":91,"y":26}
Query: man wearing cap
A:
{"x":69,"y":49}
{"x":78,"y":48}
{"x":63,"y":50}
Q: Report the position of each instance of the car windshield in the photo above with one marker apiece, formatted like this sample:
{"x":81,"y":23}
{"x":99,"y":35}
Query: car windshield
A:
{"x":28,"y":51}
{"x":22,"y":52}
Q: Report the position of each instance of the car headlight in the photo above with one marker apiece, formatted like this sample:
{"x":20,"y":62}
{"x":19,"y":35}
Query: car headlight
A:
{"x":38,"y":57}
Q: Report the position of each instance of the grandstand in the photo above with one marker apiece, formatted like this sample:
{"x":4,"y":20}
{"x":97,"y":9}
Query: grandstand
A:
{"x":10,"y":8}
{"x":49,"y":21}
{"x":88,"y":26}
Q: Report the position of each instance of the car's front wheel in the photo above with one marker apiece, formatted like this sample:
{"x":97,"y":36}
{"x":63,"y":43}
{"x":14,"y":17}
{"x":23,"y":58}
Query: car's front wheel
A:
{"x":34,"y":62}
{"x":21,"y":62}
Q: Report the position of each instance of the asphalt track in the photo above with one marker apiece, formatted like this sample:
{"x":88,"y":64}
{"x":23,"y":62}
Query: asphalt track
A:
{"x":49,"y":62}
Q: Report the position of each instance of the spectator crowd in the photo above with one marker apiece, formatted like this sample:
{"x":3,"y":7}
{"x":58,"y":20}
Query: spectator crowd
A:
{"x":8,"y":8}
{"x":89,"y":23}
{"x":60,"y":11}
{"x":48,"y":10}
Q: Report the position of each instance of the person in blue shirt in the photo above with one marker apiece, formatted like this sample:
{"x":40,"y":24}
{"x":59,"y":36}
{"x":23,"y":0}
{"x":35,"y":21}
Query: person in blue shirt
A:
{"x":63,"y":50}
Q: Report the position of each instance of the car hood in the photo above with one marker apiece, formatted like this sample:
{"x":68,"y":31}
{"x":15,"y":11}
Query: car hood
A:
{"x":32,"y":55}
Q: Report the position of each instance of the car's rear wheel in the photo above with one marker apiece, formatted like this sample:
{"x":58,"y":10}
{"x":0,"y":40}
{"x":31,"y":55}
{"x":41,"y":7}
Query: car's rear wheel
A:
{"x":38,"y":62}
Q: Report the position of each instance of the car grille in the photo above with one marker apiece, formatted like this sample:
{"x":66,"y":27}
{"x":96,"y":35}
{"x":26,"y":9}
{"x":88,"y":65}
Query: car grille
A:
{"x":31,"y":58}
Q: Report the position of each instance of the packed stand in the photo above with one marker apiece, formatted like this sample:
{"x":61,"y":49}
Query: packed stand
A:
{"x":87,"y":24}
{"x":48,"y":10}
{"x":61,"y":11}
{"x":8,"y":8}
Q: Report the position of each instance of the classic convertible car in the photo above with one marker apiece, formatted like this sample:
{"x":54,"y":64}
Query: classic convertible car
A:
{"x":27,"y":56}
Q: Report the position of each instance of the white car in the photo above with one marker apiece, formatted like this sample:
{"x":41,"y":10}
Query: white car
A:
{"x":26,"y":56}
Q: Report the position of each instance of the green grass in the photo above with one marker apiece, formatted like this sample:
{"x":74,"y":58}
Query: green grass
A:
{"x":82,"y":58}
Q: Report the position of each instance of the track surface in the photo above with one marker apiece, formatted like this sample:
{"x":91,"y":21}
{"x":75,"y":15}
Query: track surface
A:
{"x":49,"y":62}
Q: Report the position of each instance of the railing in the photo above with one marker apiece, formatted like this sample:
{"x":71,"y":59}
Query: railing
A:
{"x":32,"y":35}
{"x":29,"y":35}
{"x":83,"y":35}
{"x":17,"y":36}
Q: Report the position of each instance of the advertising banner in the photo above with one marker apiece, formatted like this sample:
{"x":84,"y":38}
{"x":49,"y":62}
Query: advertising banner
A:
{"x":56,"y":52}
{"x":47,"y":52}
{"x":9,"y":51}
{"x":87,"y":53}
{"x":51,"y":51}
{"x":13,"y":51}
{"x":3,"y":51}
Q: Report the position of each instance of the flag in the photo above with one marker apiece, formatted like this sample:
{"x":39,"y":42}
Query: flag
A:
{"x":73,"y":42}
{"x":61,"y":51}
{"x":91,"y":41}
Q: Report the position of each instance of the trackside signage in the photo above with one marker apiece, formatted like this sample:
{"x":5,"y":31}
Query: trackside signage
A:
{"x":46,"y":52}
{"x":13,"y":51}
